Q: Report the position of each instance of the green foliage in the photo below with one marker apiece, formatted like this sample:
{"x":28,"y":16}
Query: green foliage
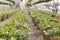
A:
{"x":46,"y":20}
{"x":6,"y":11}
{"x":17,"y":28}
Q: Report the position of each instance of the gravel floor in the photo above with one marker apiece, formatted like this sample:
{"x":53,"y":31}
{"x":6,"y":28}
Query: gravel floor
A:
{"x":36,"y":34}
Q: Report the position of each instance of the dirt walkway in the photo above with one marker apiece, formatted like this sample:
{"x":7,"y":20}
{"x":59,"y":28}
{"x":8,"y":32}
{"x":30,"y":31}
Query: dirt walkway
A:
{"x":36,"y":34}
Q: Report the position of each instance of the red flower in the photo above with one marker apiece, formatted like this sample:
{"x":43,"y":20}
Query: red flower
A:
{"x":56,"y":20}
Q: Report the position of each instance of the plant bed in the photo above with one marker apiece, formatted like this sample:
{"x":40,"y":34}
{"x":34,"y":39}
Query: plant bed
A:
{"x":4,"y":14}
{"x":17,"y":28}
{"x":7,"y":16}
{"x":54,"y":38}
{"x":48,"y":23}
{"x":0,"y":18}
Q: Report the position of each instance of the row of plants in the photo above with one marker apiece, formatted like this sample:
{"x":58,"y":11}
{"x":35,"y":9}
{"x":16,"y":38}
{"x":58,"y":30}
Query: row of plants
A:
{"x":17,"y":28}
{"x":5,"y":14}
{"x":48,"y":23}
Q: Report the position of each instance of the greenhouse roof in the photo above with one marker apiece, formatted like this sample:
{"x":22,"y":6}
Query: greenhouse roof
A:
{"x":4,"y":1}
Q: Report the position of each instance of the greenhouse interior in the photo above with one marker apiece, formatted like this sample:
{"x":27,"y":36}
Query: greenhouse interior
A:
{"x":29,"y":19}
